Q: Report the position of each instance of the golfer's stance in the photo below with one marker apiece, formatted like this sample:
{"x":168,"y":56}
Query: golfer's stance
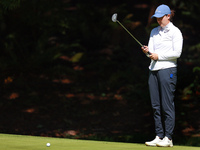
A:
{"x":165,"y":46}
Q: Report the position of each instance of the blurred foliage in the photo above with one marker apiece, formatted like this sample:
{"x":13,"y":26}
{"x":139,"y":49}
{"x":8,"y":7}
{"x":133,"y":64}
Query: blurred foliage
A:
{"x":68,"y":63}
{"x":9,"y":4}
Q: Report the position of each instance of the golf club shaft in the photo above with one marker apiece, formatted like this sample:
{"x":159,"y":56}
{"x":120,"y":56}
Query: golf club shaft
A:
{"x":132,"y":36}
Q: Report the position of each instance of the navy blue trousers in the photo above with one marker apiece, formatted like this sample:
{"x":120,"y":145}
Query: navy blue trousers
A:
{"x":162,"y":84}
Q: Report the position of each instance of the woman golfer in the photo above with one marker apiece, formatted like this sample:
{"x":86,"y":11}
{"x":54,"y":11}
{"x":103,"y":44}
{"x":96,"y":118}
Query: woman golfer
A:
{"x":165,"y":46}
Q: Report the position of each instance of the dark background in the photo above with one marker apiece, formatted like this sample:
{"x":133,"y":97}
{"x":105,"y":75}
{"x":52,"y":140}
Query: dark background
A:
{"x":66,"y":70}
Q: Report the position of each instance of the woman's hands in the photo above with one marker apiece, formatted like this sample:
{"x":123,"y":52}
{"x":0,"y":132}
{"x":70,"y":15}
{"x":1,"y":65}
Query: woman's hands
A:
{"x":153,"y":56}
{"x":145,"y":49}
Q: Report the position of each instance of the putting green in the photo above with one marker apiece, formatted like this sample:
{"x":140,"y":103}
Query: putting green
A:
{"x":20,"y":142}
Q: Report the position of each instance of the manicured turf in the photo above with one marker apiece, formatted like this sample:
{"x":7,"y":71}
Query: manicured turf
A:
{"x":19,"y":142}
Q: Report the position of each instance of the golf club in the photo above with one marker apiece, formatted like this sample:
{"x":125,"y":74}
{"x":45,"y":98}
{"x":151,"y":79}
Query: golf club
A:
{"x":114,"y":19}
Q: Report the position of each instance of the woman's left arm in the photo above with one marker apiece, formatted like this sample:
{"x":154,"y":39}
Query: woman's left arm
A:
{"x":177,"y":44}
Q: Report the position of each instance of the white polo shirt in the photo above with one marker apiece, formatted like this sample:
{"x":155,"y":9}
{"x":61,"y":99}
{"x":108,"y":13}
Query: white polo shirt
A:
{"x":167,"y":42}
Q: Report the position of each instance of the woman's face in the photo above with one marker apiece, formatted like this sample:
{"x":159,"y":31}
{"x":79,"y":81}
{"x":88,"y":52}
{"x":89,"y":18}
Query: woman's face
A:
{"x":163,"y":21}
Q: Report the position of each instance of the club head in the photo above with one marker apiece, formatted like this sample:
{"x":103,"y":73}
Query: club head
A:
{"x":114,"y":17}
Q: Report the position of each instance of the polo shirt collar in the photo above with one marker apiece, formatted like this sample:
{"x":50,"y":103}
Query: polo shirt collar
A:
{"x":165,"y":28}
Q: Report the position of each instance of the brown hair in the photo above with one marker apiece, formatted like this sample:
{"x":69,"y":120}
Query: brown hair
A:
{"x":172,"y":14}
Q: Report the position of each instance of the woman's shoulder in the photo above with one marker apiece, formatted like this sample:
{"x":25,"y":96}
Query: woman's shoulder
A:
{"x":175,"y":28}
{"x":156,"y":29}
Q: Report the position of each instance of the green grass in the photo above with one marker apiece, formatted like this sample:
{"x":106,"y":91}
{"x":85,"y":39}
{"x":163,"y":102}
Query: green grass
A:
{"x":20,"y":142}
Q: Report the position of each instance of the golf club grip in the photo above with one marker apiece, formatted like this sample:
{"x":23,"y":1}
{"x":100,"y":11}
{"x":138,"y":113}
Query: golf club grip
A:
{"x":149,"y":53}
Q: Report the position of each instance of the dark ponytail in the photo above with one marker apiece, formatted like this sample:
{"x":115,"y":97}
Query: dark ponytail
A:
{"x":172,"y":14}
